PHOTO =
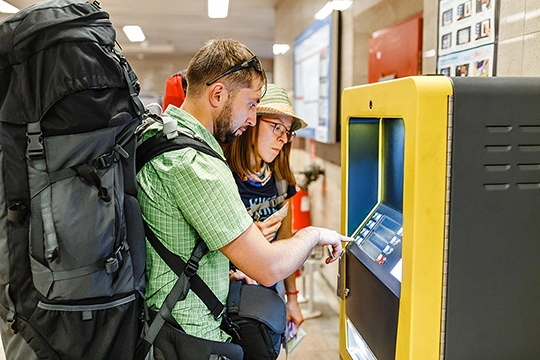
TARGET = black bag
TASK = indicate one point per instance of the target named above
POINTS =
(172, 343)
(257, 318)
(73, 248)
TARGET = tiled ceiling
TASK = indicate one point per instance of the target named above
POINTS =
(181, 27)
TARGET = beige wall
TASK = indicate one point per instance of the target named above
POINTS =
(518, 51)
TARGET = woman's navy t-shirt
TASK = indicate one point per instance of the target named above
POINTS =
(253, 194)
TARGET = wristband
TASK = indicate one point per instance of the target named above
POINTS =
(292, 292)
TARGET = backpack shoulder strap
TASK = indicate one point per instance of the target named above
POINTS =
(167, 140)
(180, 267)
(281, 186)
(187, 278)
(160, 143)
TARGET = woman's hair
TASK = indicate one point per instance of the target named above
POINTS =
(217, 57)
(243, 149)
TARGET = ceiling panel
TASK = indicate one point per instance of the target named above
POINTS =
(182, 26)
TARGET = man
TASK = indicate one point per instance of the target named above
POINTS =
(185, 194)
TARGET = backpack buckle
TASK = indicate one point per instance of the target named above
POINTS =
(10, 321)
(273, 202)
(191, 268)
(34, 147)
(105, 160)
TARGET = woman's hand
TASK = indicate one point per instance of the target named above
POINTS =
(269, 227)
(294, 313)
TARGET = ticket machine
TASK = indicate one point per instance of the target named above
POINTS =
(441, 193)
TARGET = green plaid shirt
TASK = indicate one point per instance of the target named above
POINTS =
(184, 193)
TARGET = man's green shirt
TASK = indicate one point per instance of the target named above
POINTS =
(185, 194)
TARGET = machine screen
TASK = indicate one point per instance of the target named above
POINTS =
(375, 203)
(377, 244)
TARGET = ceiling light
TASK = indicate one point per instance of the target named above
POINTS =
(7, 8)
(331, 6)
(218, 9)
(134, 33)
(279, 49)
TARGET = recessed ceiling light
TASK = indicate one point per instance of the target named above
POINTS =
(331, 6)
(7, 8)
(134, 33)
(218, 9)
(279, 49)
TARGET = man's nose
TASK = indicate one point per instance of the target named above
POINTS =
(252, 118)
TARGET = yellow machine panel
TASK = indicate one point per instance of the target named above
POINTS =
(429, 165)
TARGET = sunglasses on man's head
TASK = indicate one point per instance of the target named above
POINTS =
(253, 62)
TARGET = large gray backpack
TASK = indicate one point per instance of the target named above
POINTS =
(72, 248)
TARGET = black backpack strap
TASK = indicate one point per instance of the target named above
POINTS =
(180, 267)
(177, 293)
(159, 144)
(167, 140)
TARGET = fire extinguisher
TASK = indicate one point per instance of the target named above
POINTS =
(301, 214)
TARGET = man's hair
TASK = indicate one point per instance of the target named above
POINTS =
(215, 58)
(244, 148)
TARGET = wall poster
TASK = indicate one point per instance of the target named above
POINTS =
(315, 85)
(466, 38)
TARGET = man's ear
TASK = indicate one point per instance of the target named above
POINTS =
(217, 95)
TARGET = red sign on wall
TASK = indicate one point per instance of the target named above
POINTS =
(396, 51)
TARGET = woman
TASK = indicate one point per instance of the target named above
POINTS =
(259, 160)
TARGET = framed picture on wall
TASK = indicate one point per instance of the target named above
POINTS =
(316, 78)
(467, 45)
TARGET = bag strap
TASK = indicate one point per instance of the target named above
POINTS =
(281, 186)
(177, 293)
(180, 267)
(160, 143)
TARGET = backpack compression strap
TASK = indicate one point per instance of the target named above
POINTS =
(282, 195)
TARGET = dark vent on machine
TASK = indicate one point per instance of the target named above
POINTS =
(516, 146)
(530, 128)
(499, 129)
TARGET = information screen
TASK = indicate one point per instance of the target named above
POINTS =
(378, 245)
(375, 203)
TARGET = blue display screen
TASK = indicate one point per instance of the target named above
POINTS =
(375, 196)
(378, 245)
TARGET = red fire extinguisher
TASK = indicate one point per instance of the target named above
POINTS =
(301, 216)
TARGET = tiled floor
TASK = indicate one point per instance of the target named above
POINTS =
(322, 333)
(321, 340)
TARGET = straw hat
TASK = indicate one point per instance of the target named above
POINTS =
(276, 101)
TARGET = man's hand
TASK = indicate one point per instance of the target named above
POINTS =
(328, 237)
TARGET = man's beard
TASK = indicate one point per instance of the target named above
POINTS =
(222, 126)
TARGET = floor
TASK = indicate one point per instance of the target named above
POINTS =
(322, 335)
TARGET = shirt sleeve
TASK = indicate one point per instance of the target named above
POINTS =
(206, 194)
(291, 191)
